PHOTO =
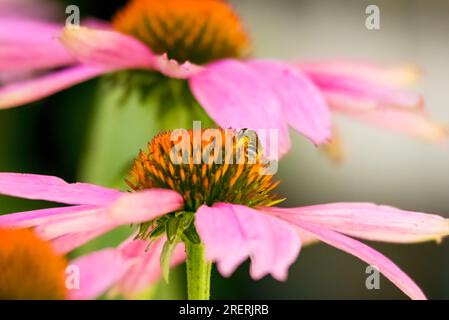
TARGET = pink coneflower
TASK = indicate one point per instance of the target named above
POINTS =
(204, 42)
(222, 213)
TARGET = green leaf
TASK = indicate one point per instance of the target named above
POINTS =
(191, 234)
(166, 254)
(173, 228)
(157, 232)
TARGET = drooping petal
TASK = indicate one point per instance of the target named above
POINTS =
(23, 92)
(144, 206)
(416, 124)
(145, 269)
(67, 228)
(364, 95)
(49, 188)
(369, 255)
(394, 75)
(97, 272)
(368, 221)
(33, 218)
(129, 208)
(236, 96)
(232, 233)
(27, 44)
(119, 51)
(303, 105)
(73, 226)
(107, 48)
(128, 270)
(73, 240)
(76, 222)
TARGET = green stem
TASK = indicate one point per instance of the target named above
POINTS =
(198, 272)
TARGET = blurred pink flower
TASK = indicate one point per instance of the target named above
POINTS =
(231, 232)
(40, 9)
(31, 9)
(235, 93)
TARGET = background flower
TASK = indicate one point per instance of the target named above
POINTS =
(202, 43)
(31, 269)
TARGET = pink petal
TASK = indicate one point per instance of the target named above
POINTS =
(416, 124)
(27, 91)
(30, 45)
(128, 270)
(236, 96)
(232, 233)
(302, 103)
(49, 188)
(98, 271)
(107, 48)
(394, 75)
(368, 221)
(173, 68)
(73, 226)
(145, 268)
(144, 206)
(120, 51)
(83, 221)
(370, 256)
(71, 241)
(33, 218)
(130, 208)
(363, 94)
(68, 227)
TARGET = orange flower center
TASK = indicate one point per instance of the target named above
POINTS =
(29, 269)
(230, 170)
(198, 31)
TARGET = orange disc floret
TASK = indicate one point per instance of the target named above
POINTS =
(205, 171)
(29, 268)
(198, 31)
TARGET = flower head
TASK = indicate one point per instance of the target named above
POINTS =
(235, 221)
(186, 30)
(203, 42)
(30, 269)
(227, 176)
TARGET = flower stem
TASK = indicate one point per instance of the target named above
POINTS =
(198, 272)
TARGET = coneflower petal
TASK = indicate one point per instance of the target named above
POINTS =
(50, 188)
(232, 233)
(369, 255)
(28, 45)
(368, 221)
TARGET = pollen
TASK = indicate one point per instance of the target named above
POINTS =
(29, 269)
(199, 31)
(206, 168)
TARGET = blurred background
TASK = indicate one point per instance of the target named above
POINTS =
(49, 138)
